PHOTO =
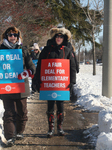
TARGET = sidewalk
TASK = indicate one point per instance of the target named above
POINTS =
(75, 121)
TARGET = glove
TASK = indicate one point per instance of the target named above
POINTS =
(71, 87)
(25, 74)
(33, 71)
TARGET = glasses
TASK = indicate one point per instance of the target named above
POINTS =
(59, 36)
(35, 49)
(12, 34)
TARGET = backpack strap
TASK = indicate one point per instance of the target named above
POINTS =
(62, 48)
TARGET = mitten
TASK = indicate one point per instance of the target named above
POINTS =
(71, 87)
(25, 74)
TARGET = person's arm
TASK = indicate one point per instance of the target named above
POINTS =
(72, 69)
(77, 66)
(37, 78)
(28, 62)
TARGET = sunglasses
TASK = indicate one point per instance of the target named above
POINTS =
(59, 36)
(35, 49)
(12, 34)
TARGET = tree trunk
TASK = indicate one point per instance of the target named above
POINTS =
(94, 57)
(79, 57)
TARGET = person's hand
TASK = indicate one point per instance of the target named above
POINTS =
(25, 74)
(33, 71)
(71, 87)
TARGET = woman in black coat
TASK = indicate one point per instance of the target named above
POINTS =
(15, 105)
(56, 50)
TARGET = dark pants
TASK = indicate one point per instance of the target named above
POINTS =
(33, 86)
(15, 117)
(51, 106)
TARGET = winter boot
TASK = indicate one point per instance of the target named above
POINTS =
(51, 124)
(10, 142)
(60, 118)
(19, 136)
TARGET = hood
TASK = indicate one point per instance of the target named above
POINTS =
(63, 31)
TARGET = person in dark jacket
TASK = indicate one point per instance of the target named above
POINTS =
(35, 52)
(56, 50)
(34, 55)
(72, 49)
(15, 105)
(70, 46)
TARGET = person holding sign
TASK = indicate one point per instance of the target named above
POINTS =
(56, 50)
(15, 104)
(72, 48)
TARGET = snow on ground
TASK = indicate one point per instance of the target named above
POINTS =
(1, 114)
(89, 96)
(1, 121)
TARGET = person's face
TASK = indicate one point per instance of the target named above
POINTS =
(36, 50)
(59, 39)
(12, 37)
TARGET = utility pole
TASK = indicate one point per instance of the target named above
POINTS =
(107, 50)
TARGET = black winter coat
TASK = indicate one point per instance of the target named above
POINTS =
(56, 52)
(27, 64)
(34, 55)
(69, 45)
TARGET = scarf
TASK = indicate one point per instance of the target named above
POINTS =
(11, 45)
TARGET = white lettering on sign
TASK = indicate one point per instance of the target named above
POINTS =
(49, 64)
(6, 66)
(54, 78)
(56, 64)
(1, 57)
(49, 71)
(13, 57)
(1, 76)
(60, 71)
(54, 85)
(11, 75)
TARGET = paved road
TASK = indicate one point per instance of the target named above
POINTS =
(75, 121)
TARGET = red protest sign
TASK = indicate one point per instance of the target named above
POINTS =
(55, 74)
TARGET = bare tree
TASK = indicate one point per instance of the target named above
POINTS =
(33, 18)
(94, 12)
(78, 46)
